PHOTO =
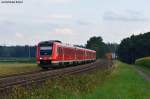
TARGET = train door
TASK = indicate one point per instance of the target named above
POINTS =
(60, 53)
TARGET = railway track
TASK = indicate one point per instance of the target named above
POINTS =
(7, 83)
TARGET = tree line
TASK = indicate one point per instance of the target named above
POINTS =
(18, 51)
(134, 47)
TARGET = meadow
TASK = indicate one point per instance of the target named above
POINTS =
(17, 65)
(17, 60)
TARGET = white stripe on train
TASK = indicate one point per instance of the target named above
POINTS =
(73, 60)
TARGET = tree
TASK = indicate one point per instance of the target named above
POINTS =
(134, 47)
(97, 44)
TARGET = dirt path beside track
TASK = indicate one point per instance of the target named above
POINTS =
(140, 70)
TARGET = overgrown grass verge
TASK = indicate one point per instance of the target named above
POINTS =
(66, 87)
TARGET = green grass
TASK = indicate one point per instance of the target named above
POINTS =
(16, 68)
(121, 83)
(143, 61)
(12, 65)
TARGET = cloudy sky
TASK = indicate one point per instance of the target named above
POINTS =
(72, 21)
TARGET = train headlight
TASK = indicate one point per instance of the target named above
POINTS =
(40, 57)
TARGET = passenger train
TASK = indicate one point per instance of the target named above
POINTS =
(54, 53)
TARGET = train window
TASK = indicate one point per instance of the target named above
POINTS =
(45, 49)
(46, 52)
(45, 44)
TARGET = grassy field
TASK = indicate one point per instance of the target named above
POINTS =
(11, 65)
(15, 68)
(121, 82)
(17, 60)
(143, 61)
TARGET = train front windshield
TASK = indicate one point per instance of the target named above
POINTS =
(45, 49)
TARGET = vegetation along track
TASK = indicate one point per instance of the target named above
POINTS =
(7, 83)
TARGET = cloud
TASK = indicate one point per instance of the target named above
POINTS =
(19, 35)
(84, 23)
(63, 31)
(127, 16)
(59, 16)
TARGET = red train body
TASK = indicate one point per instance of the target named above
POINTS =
(55, 53)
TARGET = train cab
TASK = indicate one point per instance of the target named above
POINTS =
(46, 53)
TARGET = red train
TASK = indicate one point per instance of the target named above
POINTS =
(54, 54)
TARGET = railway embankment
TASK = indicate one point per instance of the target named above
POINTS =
(27, 80)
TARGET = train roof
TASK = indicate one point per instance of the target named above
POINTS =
(74, 46)
(50, 41)
(85, 49)
(65, 44)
